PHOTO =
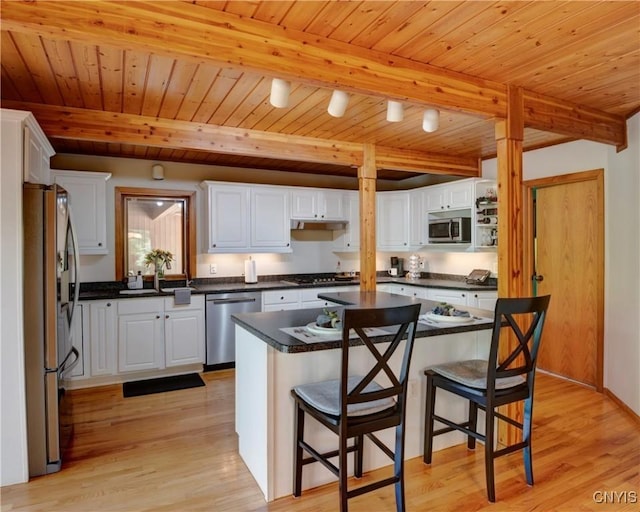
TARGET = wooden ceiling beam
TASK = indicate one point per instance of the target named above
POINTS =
(188, 31)
(112, 127)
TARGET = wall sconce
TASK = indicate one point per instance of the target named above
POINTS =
(157, 172)
(280, 90)
(430, 120)
(395, 111)
(338, 103)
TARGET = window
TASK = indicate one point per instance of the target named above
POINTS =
(149, 219)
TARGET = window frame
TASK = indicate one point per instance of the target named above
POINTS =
(121, 193)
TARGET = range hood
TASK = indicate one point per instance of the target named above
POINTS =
(313, 225)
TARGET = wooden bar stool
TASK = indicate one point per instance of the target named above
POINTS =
(491, 384)
(355, 406)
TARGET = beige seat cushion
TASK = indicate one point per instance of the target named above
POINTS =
(325, 396)
(473, 373)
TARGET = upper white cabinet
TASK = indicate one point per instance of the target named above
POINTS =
(88, 192)
(317, 204)
(25, 145)
(449, 196)
(393, 221)
(348, 239)
(247, 218)
(270, 223)
(419, 222)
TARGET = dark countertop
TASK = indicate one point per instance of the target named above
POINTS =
(111, 290)
(266, 326)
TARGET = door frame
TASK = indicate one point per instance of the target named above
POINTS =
(528, 186)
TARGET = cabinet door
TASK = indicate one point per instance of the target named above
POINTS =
(78, 328)
(433, 198)
(184, 337)
(348, 240)
(418, 223)
(456, 297)
(393, 221)
(483, 300)
(228, 218)
(87, 192)
(270, 220)
(331, 205)
(140, 342)
(459, 195)
(304, 204)
(103, 338)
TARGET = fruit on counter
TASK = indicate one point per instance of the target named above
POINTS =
(328, 319)
(445, 309)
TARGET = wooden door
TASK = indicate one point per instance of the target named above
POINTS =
(569, 265)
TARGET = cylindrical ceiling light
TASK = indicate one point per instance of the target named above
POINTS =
(430, 120)
(157, 172)
(338, 103)
(395, 112)
(280, 93)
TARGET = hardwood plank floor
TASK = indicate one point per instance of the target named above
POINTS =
(178, 451)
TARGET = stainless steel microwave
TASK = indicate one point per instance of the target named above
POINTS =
(447, 231)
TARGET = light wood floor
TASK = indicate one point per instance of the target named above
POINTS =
(178, 452)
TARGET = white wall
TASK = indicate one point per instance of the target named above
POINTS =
(13, 418)
(622, 245)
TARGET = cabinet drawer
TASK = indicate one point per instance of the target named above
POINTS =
(135, 306)
(281, 296)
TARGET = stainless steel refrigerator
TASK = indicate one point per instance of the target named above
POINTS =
(50, 297)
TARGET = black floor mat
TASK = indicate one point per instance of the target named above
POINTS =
(162, 384)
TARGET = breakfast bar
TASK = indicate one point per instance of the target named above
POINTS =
(276, 351)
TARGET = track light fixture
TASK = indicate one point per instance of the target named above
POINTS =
(395, 112)
(430, 120)
(338, 103)
(280, 90)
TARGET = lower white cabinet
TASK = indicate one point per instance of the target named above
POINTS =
(474, 299)
(184, 332)
(279, 300)
(103, 331)
(140, 334)
(130, 335)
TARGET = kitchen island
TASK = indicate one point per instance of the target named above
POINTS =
(275, 352)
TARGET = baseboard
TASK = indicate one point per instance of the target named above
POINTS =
(622, 405)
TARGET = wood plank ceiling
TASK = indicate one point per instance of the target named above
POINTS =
(73, 61)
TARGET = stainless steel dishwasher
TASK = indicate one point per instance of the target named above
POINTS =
(221, 332)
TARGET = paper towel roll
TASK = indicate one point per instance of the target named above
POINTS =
(250, 272)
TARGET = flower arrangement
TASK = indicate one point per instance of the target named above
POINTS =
(158, 258)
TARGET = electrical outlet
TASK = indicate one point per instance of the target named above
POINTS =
(213, 268)
(421, 264)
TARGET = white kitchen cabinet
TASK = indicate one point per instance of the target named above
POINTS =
(228, 217)
(270, 219)
(184, 336)
(247, 218)
(475, 299)
(140, 334)
(80, 336)
(392, 221)
(317, 204)
(88, 199)
(280, 300)
(482, 299)
(155, 333)
(309, 297)
(104, 331)
(26, 146)
(449, 196)
(418, 220)
(348, 239)
(404, 289)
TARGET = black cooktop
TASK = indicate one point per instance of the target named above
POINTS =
(318, 278)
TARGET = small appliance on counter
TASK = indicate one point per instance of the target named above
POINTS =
(398, 263)
(250, 271)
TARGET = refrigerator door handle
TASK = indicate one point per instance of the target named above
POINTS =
(63, 366)
(76, 264)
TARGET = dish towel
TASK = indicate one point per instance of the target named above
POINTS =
(182, 296)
